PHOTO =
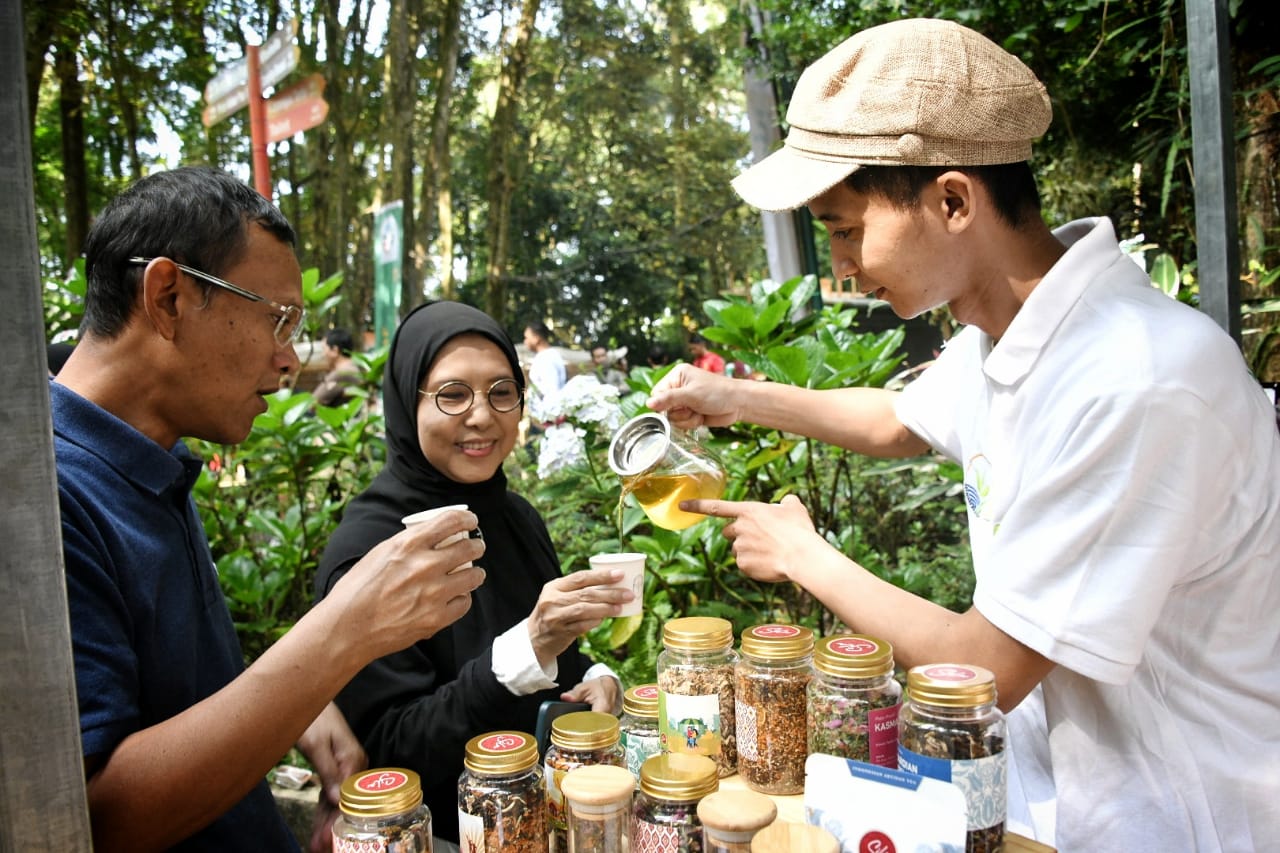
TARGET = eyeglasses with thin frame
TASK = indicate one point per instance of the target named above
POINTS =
(289, 324)
(456, 398)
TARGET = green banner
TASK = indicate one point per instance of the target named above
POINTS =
(388, 234)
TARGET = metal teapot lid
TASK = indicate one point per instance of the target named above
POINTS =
(639, 444)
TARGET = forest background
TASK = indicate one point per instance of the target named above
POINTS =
(569, 161)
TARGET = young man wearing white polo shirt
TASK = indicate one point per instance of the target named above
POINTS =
(1122, 468)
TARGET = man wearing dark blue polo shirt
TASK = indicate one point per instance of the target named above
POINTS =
(192, 305)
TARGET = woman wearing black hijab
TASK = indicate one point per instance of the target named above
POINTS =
(453, 396)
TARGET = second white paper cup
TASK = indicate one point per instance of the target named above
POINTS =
(419, 517)
(632, 566)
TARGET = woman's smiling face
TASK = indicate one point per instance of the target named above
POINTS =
(471, 447)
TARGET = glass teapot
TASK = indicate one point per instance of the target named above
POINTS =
(662, 466)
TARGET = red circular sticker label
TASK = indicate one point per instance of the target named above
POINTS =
(649, 691)
(876, 841)
(854, 648)
(779, 631)
(381, 780)
(502, 743)
(950, 673)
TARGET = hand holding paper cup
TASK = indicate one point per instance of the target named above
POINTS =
(427, 514)
(632, 567)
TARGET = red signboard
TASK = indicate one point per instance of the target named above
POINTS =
(301, 115)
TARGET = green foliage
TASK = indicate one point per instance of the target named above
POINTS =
(885, 516)
(270, 503)
(64, 303)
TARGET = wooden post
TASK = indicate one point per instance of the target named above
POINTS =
(258, 125)
(42, 795)
(1213, 155)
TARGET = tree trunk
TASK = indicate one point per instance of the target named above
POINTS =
(75, 174)
(122, 88)
(502, 153)
(437, 173)
(401, 88)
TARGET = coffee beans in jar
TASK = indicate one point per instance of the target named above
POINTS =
(951, 729)
(502, 803)
(578, 739)
(695, 690)
(769, 694)
(381, 811)
(853, 700)
(665, 814)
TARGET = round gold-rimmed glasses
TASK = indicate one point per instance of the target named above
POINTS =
(457, 397)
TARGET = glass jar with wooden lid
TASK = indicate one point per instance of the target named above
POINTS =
(730, 819)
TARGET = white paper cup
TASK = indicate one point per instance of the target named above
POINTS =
(419, 517)
(632, 566)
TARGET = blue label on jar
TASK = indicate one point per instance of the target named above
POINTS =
(983, 781)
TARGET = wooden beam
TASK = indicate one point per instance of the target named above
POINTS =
(42, 796)
(1213, 152)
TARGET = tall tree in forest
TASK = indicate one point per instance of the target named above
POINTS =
(504, 148)
(401, 83)
(437, 171)
(74, 173)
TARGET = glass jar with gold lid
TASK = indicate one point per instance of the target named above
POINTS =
(853, 700)
(501, 798)
(695, 690)
(382, 810)
(951, 729)
(666, 806)
(769, 693)
(578, 739)
(638, 726)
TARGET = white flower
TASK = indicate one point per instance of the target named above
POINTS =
(586, 400)
(561, 447)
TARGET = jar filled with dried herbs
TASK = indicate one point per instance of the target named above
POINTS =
(769, 694)
(666, 806)
(638, 727)
(730, 819)
(951, 729)
(381, 811)
(578, 739)
(853, 700)
(501, 799)
(695, 690)
(598, 803)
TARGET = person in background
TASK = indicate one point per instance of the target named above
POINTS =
(1121, 466)
(191, 310)
(547, 374)
(703, 358)
(607, 373)
(342, 373)
(56, 355)
(453, 393)
(658, 356)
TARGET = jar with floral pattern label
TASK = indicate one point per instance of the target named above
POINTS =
(951, 729)
(666, 806)
(638, 727)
